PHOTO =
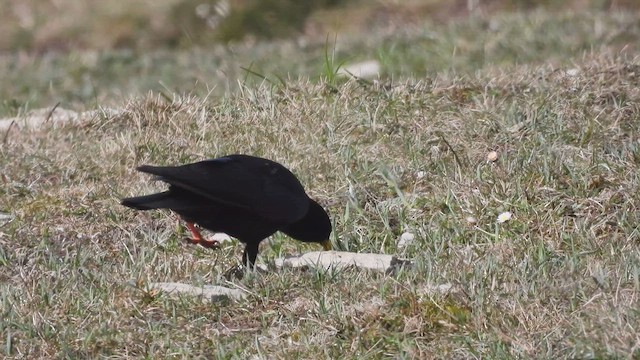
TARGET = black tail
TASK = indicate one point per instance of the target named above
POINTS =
(148, 202)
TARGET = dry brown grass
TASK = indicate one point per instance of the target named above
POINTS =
(558, 280)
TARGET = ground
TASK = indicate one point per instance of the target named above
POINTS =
(554, 94)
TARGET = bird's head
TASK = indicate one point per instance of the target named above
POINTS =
(315, 226)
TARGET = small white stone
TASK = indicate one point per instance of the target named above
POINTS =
(367, 69)
(492, 156)
(471, 220)
(221, 237)
(432, 289)
(504, 217)
(406, 239)
(5, 218)
(573, 72)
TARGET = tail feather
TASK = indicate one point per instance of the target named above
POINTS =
(159, 171)
(148, 202)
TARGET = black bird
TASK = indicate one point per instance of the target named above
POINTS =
(246, 197)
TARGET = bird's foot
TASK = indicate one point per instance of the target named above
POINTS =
(198, 239)
(209, 244)
(235, 273)
(240, 271)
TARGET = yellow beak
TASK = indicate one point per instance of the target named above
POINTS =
(327, 245)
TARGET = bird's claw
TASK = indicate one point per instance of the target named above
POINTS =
(235, 273)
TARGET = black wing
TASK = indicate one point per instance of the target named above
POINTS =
(261, 186)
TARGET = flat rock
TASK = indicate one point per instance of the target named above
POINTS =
(342, 259)
(208, 292)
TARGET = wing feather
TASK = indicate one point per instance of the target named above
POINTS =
(259, 185)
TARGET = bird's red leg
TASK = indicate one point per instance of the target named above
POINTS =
(198, 239)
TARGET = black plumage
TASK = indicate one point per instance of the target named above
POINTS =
(246, 197)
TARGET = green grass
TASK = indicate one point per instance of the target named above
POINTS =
(559, 280)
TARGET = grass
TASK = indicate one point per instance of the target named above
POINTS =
(408, 153)
(87, 79)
